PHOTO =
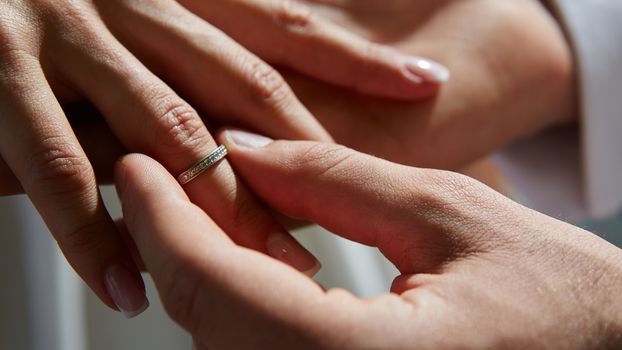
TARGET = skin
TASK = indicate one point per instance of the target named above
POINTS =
(514, 96)
(495, 97)
(477, 270)
(151, 93)
(509, 80)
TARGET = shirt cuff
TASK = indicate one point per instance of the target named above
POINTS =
(592, 185)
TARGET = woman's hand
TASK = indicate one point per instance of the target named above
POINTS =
(123, 56)
(512, 76)
(477, 270)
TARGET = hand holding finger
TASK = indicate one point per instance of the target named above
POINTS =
(468, 256)
(464, 284)
(197, 267)
(313, 175)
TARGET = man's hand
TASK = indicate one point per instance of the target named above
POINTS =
(477, 270)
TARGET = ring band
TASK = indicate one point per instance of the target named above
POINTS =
(209, 161)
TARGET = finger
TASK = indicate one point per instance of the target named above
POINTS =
(147, 116)
(98, 142)
(39, 146)
(395, 208)
(218, 75)
(218, 290)
(186, 252)
(287, 33)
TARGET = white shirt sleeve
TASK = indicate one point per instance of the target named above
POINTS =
(592, 186)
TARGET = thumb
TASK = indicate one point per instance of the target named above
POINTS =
(208, 285)
(360, 197)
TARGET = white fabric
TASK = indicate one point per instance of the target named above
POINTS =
(595, 186)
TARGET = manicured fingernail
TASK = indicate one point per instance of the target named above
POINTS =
(284, 248)
(126, 292)
(247, 139)
(428, 70)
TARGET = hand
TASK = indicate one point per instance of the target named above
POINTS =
(512, 76)
(495, 97)
(117, 55)
(477, 270)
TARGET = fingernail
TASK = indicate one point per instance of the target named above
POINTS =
(126, 292)
(247, 139)
(284, 248)
(428, 70)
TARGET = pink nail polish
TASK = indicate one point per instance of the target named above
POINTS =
(284, 248)
(127, 293)
(428, 70)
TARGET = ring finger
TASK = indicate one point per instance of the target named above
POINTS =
(149, 117)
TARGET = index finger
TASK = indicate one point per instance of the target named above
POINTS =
(198, 269)
(219, 291)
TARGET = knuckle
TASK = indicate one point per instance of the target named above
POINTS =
(64, 12)
(60, 167)
(468, 212)
(15, 63)
(462, 188)
(180, 128)
(81, 240)
(457, 199)
(16, 39)
(322, 159)
(72, 25)
(321, 162)
(293, 16)
(267, 85)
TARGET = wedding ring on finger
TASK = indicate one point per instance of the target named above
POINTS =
(203, 165)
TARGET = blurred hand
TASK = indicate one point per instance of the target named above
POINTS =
(477, 270)
(123, 56)
(512, 76)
